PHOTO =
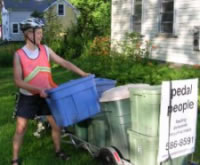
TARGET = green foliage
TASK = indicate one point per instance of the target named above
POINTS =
(52, 30)
(126, 71)
(100, 46)
(73, 42)
(133, 47)
(37, 14)
(95, 16)
(7, 51)
(94, 20)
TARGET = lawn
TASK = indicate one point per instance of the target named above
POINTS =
(35, 150)
(39, 150)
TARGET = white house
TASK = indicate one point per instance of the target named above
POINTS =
(171, 25)
(14, 11)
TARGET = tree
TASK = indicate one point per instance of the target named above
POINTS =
(95, 16)
(37, 14)
(94, 20)
(52, 29)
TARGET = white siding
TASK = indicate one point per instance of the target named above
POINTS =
(5, 24)
(17, 17)
(178, 49)
(121, 19)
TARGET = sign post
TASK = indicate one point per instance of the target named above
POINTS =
(178, 118)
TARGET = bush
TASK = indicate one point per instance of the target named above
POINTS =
(94, 20)
(125, 71)
(100, 46)
(133, 47)
(7, 51)
(73, 43)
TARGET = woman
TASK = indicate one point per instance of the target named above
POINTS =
(32, 74)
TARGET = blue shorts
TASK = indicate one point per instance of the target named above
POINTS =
(31, 106)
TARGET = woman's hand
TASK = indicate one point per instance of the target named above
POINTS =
(43, 94)
(84, 74)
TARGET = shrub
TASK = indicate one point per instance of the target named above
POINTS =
(125, 71)
(133, 47)
(100, 46)
(74, 42)
(7, 51)
(94, 20)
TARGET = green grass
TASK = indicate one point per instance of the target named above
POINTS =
(34, 151)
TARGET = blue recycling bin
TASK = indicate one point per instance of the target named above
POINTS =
(103, 84)
(74, 101)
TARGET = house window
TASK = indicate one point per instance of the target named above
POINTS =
(167, 16)
(61, 9)
(15, 28)
(137, 18)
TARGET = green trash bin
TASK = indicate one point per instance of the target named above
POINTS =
(115, 102)
(81, 130)
(183, 160)
(98, 131)
(144, 149)
(145, 110)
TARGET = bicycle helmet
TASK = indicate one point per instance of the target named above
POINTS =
(31, 23)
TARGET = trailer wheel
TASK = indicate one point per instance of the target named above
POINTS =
(108, 156)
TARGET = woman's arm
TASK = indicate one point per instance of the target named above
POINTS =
(18, 79)
(66, 64)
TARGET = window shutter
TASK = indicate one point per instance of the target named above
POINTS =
(132, 16)
(142, 17)
(137, 15)
(176, 24)
(132, 7)
(159, 17)
(176, 17)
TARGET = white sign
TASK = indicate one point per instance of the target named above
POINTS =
(179, 100)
